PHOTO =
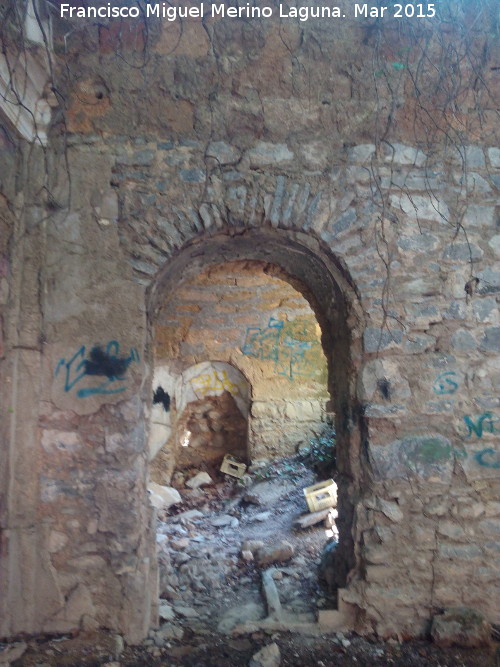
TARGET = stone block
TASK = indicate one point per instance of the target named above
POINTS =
(57, 541)
(402, 154)
(163, 497)
(421, 207)
(418, 343)
(419, 287)
(269, 656)
(267, 154)
(361, 153)
(464, 252)
(461, 626)
(192, 175)
(479, 216)
(379, 376)
(452, 530)
(418, 243)
(345, 222)
(464, 552)
(490, 342)
(474, 157)
(494, 156)
(490, 527)
(274, 553)
(486, 309)
(60, 441)
(315, 154)
(332, 620)
(489, 281)
(142, 158)
(12, 652)
(201, 479)
(494, 243)
(476, 183)
(222, 152)
(430, 456)
(375, 339)
(456, 311)
(390, 509)
(463, 340)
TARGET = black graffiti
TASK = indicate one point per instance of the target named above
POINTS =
(160, 396)
(101, 362)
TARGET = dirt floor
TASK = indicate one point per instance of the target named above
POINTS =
(213, 607)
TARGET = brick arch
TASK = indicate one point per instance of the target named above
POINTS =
(312, 269)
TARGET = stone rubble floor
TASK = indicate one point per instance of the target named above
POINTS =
(212, 605)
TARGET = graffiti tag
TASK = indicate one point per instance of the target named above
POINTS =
(207, 383)
(100, 363)
(293, 346)
(488, 458)
(446, 383)
(485, 423)
(434, 450)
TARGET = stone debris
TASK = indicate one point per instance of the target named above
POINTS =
(189, 515)
(271, 594)
(201, 479)
(269, 656)
(186, 612)
(225, 520)
(163, 497)
(274, 553)
(206, 558)
(240, 615)
(461, 626)
(331, 620)
(308, 520)
(179, 544)
(166, 632)
(252, 545)
(12, 652)
(166, 612)
(268, 492)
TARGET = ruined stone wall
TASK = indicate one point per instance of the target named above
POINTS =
(236, 313)
(277, 142)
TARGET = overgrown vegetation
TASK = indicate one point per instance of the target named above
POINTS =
(320, 456)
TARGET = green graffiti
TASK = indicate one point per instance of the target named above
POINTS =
(434, 450)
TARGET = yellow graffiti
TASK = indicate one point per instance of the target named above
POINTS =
(214, 381)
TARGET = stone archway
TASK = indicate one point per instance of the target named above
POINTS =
(318, 275)
(209, 404)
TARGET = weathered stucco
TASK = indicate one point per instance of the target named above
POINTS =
(258, 141)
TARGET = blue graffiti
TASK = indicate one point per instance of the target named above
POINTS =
(492, 460)
(485, 423)
(263, 343)
(293, 346)
(446, 383)
(100, 362)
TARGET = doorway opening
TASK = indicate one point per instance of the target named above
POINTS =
(246, 351)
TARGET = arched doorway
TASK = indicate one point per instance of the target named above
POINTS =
(207, 418)
(320, 278)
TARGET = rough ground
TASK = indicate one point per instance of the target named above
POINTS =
(208, 591)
